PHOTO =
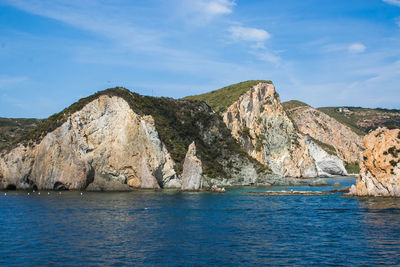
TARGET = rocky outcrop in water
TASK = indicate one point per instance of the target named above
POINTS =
(380, 168)
(257, 120)
(192, 176)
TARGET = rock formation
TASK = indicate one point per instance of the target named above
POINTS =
(192, 176)
(103, 142)
(257, 120)
(380, 168)
(117, 140)
(327, 164)
(319, 126)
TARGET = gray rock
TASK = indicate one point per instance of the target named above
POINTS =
(317, 182)
(101, 184)
(192, 176)
(327, 165)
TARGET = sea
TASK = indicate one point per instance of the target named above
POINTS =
(172, 228)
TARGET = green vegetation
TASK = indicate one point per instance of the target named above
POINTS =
(326, 147)
(352, 168)
(245, 132)
(292, 104)
(392, 127)
(177, 122)
(393, 163)
(13, 129)
(363, 120)
(219, 100)
(393, 151)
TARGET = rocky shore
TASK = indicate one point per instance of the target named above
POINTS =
(380, 168)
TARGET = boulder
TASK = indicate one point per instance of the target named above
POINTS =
(317, 182)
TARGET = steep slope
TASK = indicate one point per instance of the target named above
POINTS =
(363, 120)
(331, 135)
(13, 129)
(258, 121)
(115, 137)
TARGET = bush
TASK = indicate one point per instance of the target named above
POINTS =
(353, 167)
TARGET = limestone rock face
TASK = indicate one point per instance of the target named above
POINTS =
(326, 129)
(192, 176)
(104, 143)
(327, 164)
(380, 168)
(258, 121)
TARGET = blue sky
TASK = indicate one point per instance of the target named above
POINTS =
(323, 52)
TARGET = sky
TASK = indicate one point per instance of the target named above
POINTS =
(322, 52)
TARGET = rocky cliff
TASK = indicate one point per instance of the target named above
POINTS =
(347, 144)
(257, 120)
(327, 164)
(380, 168)
(117, 140)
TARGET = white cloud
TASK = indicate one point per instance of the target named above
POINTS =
(356, 48)
(202, 12)
(392, 2)
(249, 34)
(218, 7)
(257, 38)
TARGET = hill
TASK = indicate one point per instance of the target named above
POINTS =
(14, 129)
(219, 100)
(177, 124)
(363, 120)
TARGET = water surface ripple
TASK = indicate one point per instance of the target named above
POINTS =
(172, 228)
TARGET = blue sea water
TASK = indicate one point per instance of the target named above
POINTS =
(172, 228)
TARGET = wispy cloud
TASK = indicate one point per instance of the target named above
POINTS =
(202, 12)
(398, 21)
(392, 2)
(216, 7)
(357, 48)
(256, 38)
(94, 16)
(249, 34)
(7, 81)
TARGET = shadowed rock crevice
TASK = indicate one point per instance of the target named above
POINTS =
(90, 176)
(59, 186)
(11, 187)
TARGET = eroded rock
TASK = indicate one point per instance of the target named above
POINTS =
(105, 140)
(380, 168)
(260, 124)
(192, 176)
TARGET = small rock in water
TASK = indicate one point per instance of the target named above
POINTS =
(317, 182)
(38, 193)
(216, 189)
(336, 185)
